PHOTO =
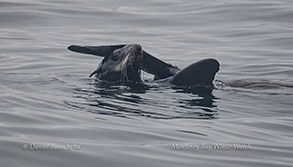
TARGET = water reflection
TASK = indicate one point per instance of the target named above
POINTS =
(206, 98)
(143, 100)
(204, 101)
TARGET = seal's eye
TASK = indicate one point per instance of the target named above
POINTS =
(114, 57)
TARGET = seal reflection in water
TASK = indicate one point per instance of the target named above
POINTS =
(123, 65)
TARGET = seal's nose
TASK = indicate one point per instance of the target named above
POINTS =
(136, 46)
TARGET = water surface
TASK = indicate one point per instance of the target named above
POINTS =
(47, 97)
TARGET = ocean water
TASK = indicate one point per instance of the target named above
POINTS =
(53, 114)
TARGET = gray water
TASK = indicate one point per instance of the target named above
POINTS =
(47, 99)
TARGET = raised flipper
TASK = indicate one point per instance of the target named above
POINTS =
(201, 73)
(157, 67)
(102, 51)
(150, 64)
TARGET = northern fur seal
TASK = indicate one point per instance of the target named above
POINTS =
(123, 63)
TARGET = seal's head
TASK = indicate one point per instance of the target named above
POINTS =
(123, 65)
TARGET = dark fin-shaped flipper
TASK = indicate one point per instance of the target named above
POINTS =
(102, 51)
(201, 73)
(157, 67)
(150, 64)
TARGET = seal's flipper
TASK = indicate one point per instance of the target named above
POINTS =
(157, 67)
(201, 73)
(102, 51)
(150, 64)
